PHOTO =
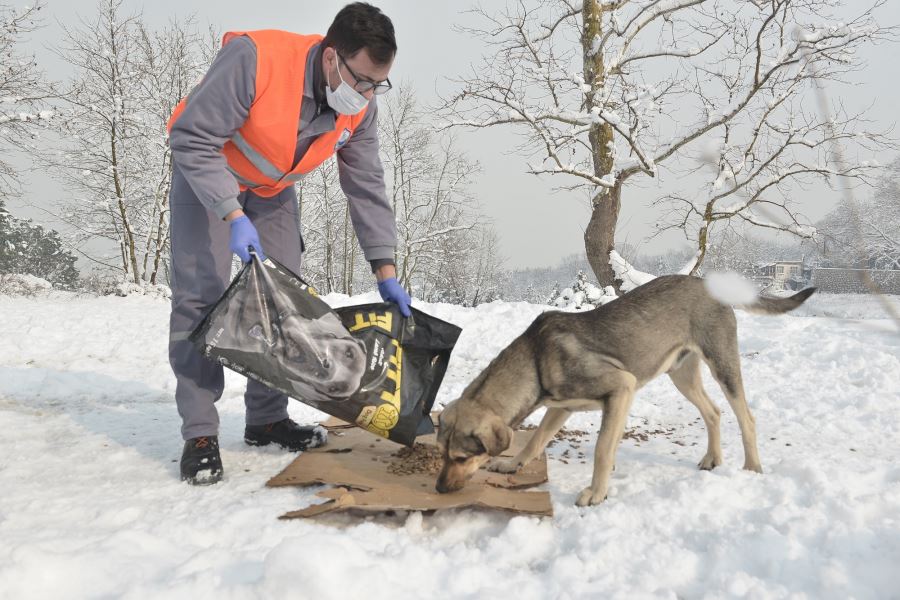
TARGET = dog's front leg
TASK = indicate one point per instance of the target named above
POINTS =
(552, 422)
(615, 415)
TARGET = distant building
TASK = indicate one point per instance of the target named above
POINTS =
(782, 275)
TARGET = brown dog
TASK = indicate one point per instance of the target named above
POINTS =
(596, 360)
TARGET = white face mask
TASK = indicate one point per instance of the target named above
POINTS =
(344, 100)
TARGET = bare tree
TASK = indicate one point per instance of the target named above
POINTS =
(427, 179)
(607, 90)
(23, 89)
(868, 236)
(169, 62)
(115, 158)
(769, 152)
(445, 250)
(333, 258)
(881, 221)
(99, 107)
(471, 272)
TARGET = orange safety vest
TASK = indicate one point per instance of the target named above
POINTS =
(261, 153)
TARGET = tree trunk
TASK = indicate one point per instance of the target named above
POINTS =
(701, 252)
(162, 229)
(600, 234)
(161, 240)
(116, 83)
(129, 256)
(352, 269)
(348, 258)
(703, 240)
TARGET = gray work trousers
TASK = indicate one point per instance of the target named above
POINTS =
(201, 270)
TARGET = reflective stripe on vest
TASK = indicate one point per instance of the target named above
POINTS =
(253, 184)
(240, 178)
(261, 163)
(256, 159)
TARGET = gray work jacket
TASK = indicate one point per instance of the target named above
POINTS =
(219, 106)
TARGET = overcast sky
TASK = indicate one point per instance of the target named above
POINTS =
(536, 226)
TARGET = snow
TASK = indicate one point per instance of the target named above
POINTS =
(844, 306)
(806, 231)
(689, 265)
(91, 505)
(630, 277)
(611, 118)
(15, 284)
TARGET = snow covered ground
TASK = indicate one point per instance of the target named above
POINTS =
(91, 505)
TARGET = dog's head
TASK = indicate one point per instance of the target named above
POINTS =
(467, 437)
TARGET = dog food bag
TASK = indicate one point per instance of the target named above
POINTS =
(406, 362)
(366, 364)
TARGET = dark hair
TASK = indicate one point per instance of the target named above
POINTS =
(361, 25)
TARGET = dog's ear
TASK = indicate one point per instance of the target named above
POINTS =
(446, 425)
(495, 436)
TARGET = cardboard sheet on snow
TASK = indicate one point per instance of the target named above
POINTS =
(357, 464)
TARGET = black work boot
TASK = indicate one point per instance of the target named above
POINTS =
(200, 461)
(286, 434)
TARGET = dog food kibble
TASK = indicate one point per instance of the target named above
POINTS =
(421, 458)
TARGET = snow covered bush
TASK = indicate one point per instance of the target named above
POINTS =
(151, 290)
(100, 283)
(16, 284)
(582, 295)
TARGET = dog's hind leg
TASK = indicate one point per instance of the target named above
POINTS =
(618, 388)
(688, 380)
(724, 362)
(552, 422)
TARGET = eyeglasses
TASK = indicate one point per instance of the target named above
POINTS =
(366, 85)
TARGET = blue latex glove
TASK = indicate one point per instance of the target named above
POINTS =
(391, 291)
(244, 235)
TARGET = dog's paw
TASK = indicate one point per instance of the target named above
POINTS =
(587, 497)
(709, 462)
(504, 465)
(753, 466)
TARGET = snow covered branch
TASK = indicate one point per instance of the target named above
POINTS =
(23, 88)
(650, 79)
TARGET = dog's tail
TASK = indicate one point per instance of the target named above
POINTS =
(767, 305)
